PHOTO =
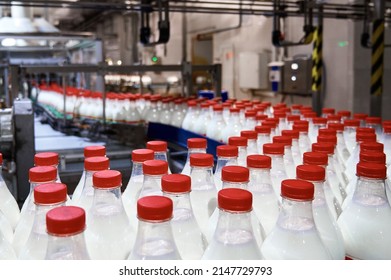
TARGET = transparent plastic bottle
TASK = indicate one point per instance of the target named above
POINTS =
(250, 121)
(191, 116)
(326, 224)
(241, 143)
(5, 228)
(265, 205)
(234, 125)
(342, 151)
(37, 175)
(165, 116)
(375, 123)
(133, 189)
(318, 123)
(304, 140)
(365, 223)
(349, 133)
(203, 190)
(8, 204)
(177, 187)
(278, 171)
(46, 197)
(217, 124)
(160, 149)
(236, 177)
(109, 234)
(91, 165)
(178, 114)
(155, 238)
(47, 159)
(153, 114)
(6, 250)
(372, 157)
(234, 237)
(361, 137)
(288, 157)
(281, 115)
(263, 137)
(226, 155)
(251, 136)
(89, 151)
(200, 126)
(294, 135)
(194, 146)
(153, 171)
(273, 126)
(65, 227)
(321, 159)
(387, 145)
(132, 116)
(295, 235)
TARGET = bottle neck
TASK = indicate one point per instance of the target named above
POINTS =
(225, 161)
(151, 185)
(235, 185)
(182, 206)
(201, 177)
(319, 194)
(217, 116)
(161, 156)
(137, 169)
(71, 247)
(277, 161)
(104, 197)
(39, 225)
(296, 215)
(370, 192)
(260, 181)
(234, 228)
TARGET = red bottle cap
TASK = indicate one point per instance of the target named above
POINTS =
(373, 120)
(327, 148)
(249, 134)
(387, 123)
(237, 141)
(292, 118)
(234, 110)
(94, 151)
(285, 140)
(96, 163)
(301, 122)
(273, 149)
(315, 158)
(154, 208)
(65, 220)
(353, 122)
(227, 151)
(196, 143)
(310, 172)
(336, 126)
(217, 108)
(263, 129)
(296, 106)
(372, 156)
(157, 146)
(365, 137)
(236, 174)
(365, 130)
(259, 161)
(201, 160)
(42, 174)
(294, 134)
(319, 121)
(235, 200)
(297, 189)
(261, 117)
(371, 170)
(191, 103)
(141, 155)
(371, 146)
(300, 127)
(327, 139)
(333, 118)
(50, 193)
(360, 116)
(328, 111)
(346, 114)
(327, 132)
(46, 159)
(280, 114)
(107, 179)
(176, 183)
(309, 115)
(250, 114)
(155, 167)
(387, 129)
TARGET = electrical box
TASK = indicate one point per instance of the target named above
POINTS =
(297, 76)
(253, 70)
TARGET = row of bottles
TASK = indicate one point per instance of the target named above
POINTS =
(273, 194)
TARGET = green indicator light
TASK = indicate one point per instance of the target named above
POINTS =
(342, 43)
(154, 59)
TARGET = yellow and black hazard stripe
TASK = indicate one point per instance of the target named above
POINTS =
(377, 57)
(317, 60)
